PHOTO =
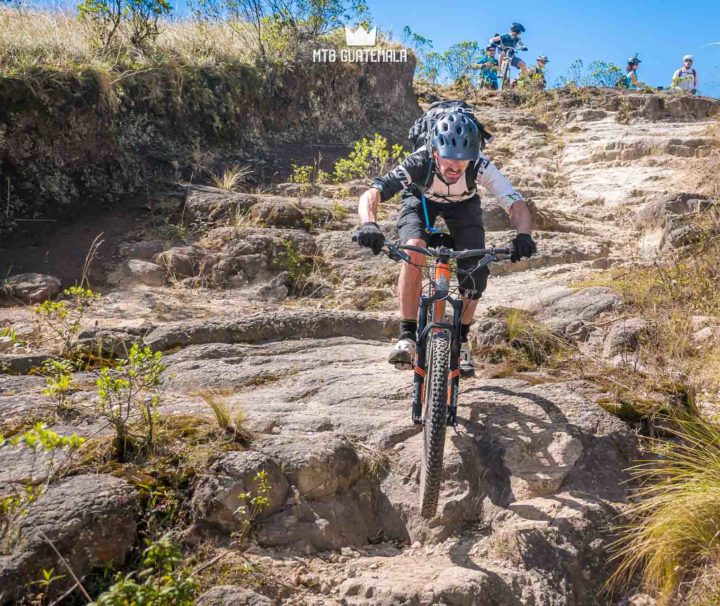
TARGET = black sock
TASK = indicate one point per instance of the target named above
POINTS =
(464, 330)
(408, 329)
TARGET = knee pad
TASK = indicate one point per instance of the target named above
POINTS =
(473, 284)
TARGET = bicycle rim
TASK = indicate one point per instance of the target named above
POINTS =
(435, 422)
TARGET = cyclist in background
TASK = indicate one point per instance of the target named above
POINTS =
(512, 40)
(686, 78)
(630, 80)
(488, 66)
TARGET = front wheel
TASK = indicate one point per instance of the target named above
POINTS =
(435, 415)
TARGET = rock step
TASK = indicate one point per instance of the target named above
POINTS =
(262, 327)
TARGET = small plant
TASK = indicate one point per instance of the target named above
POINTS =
(339, 211)
(368, 158)
(232, 178)
(129, 393)
(11, 335)
(297, 265)
(48, 578)
(301, 174)
(38, 439)
(58, 381)
(161, 581)
(253, 505)
(63, 319)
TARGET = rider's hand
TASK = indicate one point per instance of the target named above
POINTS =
(523, 246)
(370, 236)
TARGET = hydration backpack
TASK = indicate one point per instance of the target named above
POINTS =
(421, 131)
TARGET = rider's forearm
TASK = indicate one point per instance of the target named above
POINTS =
(367, 208)
(520, 217)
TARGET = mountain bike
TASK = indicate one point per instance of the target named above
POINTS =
(508, 54)
(436, 379)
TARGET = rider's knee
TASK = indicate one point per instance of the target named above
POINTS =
(417, 258)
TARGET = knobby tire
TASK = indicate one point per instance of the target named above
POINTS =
(435, 416)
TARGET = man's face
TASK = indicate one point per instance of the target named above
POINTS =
(491, 52)
(688, 63)
(451, 170)
(542, 64)
(515, 34)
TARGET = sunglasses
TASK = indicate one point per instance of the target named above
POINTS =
(688, 61)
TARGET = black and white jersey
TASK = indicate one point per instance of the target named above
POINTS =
(419, 174)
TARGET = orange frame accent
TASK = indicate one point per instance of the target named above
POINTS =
(442, 270)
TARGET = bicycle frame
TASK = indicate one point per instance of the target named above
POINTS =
(431, 319)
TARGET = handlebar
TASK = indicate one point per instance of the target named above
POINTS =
(445, 252)
(397, 252)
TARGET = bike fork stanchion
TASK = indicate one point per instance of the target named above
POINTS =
(454, 377)
(419, 377)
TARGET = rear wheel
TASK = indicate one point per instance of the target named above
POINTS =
(435, 417)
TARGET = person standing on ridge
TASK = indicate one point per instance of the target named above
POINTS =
(441, 178)
(488, 66)
(512, 40)
(685, 78)
(630, 80)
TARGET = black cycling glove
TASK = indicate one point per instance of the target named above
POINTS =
(370, 236)
(523, 246)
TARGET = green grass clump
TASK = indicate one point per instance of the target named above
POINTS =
(672, 540)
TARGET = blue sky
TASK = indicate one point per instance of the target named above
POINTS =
(660, 31)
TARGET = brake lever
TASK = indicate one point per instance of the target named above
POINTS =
(395, 254)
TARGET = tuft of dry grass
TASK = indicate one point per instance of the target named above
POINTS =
(530, 344)
(220, 407)
(672, 539)
(232, 178)
(31, 40)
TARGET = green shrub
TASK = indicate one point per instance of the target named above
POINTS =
(63, 319)
(460, 58)
(141, 17)
(161, 581)
(58, 381)
(369, 157)
(597, 73)
(129, 395)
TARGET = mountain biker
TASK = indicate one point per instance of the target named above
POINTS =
(488, 66)
(629, 80)
(534, 77)
(686, 78)
(511, 40)
(441, 178)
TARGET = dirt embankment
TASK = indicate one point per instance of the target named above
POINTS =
(70, 141)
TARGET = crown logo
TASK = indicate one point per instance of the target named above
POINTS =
(360, 37)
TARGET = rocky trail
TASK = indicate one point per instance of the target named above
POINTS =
(262, 298)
